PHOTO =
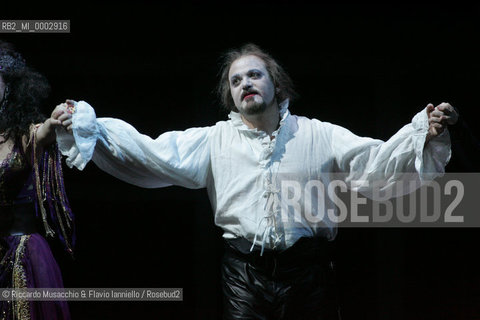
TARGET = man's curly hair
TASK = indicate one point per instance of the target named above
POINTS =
(281, 80)
(27, 89)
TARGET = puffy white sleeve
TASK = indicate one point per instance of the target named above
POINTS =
(404, 157)
(175, 158)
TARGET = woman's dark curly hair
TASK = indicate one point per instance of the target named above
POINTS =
(25, 91)
(281, 80)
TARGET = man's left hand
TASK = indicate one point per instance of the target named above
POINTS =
(439, 117)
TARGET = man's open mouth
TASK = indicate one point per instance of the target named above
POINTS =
(249, 95)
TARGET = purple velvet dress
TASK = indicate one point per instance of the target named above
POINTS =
(26, 260)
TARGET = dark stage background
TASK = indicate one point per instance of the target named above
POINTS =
(367, 67)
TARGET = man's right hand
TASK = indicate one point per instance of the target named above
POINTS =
(63, 112)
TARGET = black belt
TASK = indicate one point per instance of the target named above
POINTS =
(18, 219)
(304, 251)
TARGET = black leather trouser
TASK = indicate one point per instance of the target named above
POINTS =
(298, 283)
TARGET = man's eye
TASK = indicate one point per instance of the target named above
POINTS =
(255, 75)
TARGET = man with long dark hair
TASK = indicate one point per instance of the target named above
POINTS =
(277, 264)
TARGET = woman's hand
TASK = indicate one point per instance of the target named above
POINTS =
(46, 131)
(61, 116)
(66, 117)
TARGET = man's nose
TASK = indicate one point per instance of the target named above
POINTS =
(247, 84)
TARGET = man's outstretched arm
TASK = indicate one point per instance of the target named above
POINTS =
(174, 158)
(405, 156)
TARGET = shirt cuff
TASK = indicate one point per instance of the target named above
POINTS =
(78, 148)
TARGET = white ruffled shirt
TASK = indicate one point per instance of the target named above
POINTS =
(242, 168)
